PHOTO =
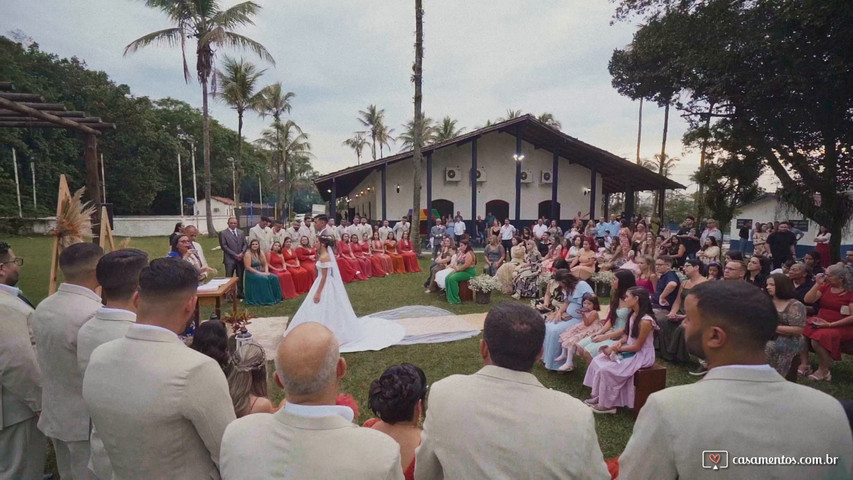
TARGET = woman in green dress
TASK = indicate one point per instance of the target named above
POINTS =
(261, 286)
(465, 261)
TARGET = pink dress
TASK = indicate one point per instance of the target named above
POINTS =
(613, 382)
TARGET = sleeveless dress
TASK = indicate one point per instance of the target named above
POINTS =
(260, 289)
(671, 341)
(613, 382)
(396, 258)
(492, 254)
(410, 258)
(551, 344)
(451, 284)
(646, 283)
(301, 278)
(379, 252)
(375, 262)
(782, 350)
(285, 279)
(347, 266)
(409, 472)
(363, 263)
(594, 348)
(304, 255)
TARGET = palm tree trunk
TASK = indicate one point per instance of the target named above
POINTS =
(239, 165)
(639, 137)
(416, 154)
(701, 202)
(373, 137)
(662, 159)
(211, 231)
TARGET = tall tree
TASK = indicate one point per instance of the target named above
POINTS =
(288, 144)
(750, 67)
(238, 80)
(357, 143)
(417, 141)
(274, 102)
(510, 114)
(384, 138)
(374, 119)
(427, 133)
(212, 27)
(447, 129)
(548, 119)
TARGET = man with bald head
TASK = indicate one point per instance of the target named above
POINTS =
(310, 437)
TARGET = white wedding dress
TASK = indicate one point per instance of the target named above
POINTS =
(334, 310)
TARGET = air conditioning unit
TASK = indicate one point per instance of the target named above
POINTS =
(526, 176)
(452, 174)
(546, 177)
(481, 174)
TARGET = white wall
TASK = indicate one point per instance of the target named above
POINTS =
(495, 154)
(155, 226)
(219, 208)
(771, 209)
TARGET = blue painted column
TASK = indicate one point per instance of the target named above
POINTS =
(592, 191)
(384, 188)
(334, 202)
(429, 191)
(555, 169)
(473, 182)
(518, 177)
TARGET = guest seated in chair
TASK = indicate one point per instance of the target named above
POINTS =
(833, 324)
(397, 398)
(463, 270)
(261, 286)
(583, 266)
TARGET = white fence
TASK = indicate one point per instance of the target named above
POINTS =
(125, 226)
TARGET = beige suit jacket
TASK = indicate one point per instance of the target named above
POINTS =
(747, 412)
(262, 235)
(107, 325)
(501, 423)
(58, 319)
(160, 408)
(288, 446)
(20, 379)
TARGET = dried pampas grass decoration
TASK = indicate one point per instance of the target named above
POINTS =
(74, 221)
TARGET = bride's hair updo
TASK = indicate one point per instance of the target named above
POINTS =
(394, 395)
(327, 241)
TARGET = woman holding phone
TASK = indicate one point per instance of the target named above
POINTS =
(833, 324)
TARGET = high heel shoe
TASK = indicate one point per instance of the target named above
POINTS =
(818, 378)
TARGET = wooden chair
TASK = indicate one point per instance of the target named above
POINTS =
(465, 292)
(646, 382)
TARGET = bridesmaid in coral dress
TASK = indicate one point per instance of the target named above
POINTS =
(363, 261)
(410, 258)
(307, 257)
(278, 267)
(378, 249)
(396, 258)
(348, 266)
(301, 279)
(375, 262)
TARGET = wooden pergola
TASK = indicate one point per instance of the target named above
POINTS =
(27, 110)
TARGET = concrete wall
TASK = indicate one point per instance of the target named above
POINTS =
(495, 155)
(154, 226)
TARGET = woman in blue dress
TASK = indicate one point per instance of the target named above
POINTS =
(617, 318)
(568, 315)
(261, 286)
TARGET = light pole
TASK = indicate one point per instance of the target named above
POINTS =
(233, 181)
(180, 189)
(195, 183)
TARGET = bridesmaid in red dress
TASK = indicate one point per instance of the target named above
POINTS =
(347, 267)
(375, 262)
(363, 261)
(301, 279)
(348, 254)
(410, 258)
(278, 267)
(378, 250)
(307, 257)
(396, 258)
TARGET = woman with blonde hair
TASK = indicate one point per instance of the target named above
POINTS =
(247, 380)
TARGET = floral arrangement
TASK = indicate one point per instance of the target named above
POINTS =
(603, 277)
(74, 220)
(484, 283)
(239, 321)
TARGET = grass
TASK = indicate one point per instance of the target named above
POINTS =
(437, 360)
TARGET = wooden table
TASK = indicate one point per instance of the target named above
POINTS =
(205, 296)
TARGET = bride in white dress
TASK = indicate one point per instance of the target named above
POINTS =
(327, 303)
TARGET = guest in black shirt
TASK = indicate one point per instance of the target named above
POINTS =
(803, 282)
(782, 244)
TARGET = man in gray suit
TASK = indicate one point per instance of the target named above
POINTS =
(501, 422)
(118, 275)
(159, 407)
(310, 437)
(22, 444)
(742, 412)
(58, 319)
(234, 245)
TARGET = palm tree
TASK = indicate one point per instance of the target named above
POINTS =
(211, 26)
(289, 144)
(548, 119)
(663, 165)
(510, 114)
(384, 138)
(373, 118)
(357, 143)
(273, 101)
(408, 136)
(238, 79)
(418, 126)
(447, 130)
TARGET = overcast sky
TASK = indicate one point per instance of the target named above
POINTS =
(482, 57)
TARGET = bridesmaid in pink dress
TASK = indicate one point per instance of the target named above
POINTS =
(307, 257)
(375, 262)
(300, 275)
(363, 261)
(379, 252)
(346, 261)
(277, 266)
(410, 258)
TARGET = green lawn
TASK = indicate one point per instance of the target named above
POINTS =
(437, 360)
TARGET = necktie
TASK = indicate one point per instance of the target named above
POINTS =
(234, 232)
(25, 299)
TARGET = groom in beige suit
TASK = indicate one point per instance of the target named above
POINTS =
(22, 445)
(741, 408)
(58, 318)
(310, 437)
(159, 407)
(118, 275)
(501, 422)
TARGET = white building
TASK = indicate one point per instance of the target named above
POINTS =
(477, 173)
(220, 206)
